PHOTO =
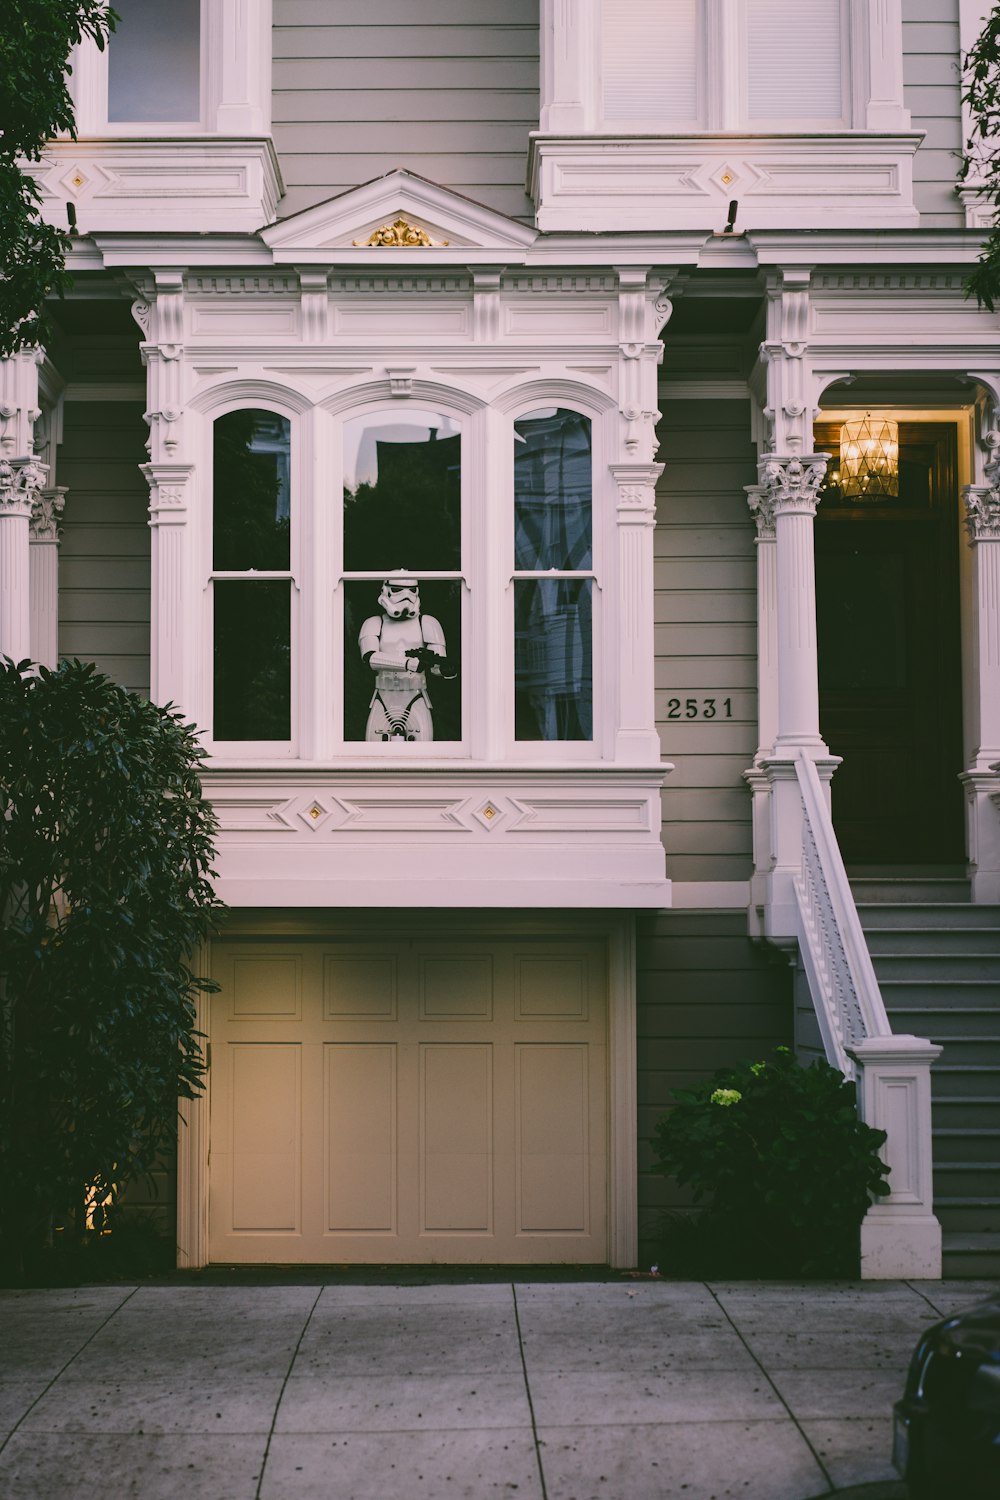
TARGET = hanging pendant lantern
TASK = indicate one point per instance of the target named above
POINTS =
(869, 458)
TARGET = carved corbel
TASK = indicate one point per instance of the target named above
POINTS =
(486, 303)
(760, 499)
(46, 512)
(401, 379)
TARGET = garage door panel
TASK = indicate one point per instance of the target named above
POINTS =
(456, 1139)
(266, 1132)
(266, 986)
(551, 986)
(455, 987)
(360, 987)
(361, 1133)
(553, 1139)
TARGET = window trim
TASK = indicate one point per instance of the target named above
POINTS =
(235, 79)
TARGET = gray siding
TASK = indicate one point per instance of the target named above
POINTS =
(707, 998)
(104, 556)
(932, 95)
(445, 88)
(706, 636)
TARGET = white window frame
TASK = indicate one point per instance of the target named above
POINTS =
(235, 79)
(317, 577)
(872, 76)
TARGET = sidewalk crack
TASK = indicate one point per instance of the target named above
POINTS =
(281, 1393)
(527, 1392)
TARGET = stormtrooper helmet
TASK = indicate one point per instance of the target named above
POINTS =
(400, 597)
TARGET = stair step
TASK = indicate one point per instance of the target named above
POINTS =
(971, 1180)
(971, 1255)
(970, 1051)
(965, 1111)
(967, 1215)
(908, 915)
(945, 968)
(946, 890)
(954, 1079)
(934, 942)
(902, 994)
(952, 1143)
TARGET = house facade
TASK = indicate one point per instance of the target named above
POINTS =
(547, 450)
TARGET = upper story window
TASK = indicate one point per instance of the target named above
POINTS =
(553, 577)
(403, 582)
(186, 67)
(442, 600)
(154, 62)
(691, 65)
(252, 579)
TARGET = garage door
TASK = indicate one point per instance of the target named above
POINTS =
(409, 1101)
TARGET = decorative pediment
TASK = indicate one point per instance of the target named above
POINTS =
(393, 216)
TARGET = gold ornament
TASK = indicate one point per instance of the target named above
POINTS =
(400, 234)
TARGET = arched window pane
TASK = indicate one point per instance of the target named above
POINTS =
(154, 61)
(552, 491)
(251, 491)
(402, 492)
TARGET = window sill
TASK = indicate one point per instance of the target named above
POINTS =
(783, 180)
(444, 835)
(188, 183)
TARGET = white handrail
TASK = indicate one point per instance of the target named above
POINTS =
(835, 956)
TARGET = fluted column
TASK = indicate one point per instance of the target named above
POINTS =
(982, 779)
(792, 486)
(637, 739)
(761, 502)
(19, 480)
(43, 565)
(169, 605)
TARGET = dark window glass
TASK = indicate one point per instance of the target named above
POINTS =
(552, 491)
(553, 659)
(253, 695)
(380, 702)
(402, 492)
(154, 61)
(251, 490)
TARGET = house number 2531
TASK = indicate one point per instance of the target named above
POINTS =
(699, 708)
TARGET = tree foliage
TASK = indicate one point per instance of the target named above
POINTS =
(981, 161)
(36, 38)
(106, 845)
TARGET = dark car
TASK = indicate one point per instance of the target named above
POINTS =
(947, 1426)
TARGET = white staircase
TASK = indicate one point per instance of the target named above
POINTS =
(937, 960)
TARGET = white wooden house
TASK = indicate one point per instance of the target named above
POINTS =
(557, 306)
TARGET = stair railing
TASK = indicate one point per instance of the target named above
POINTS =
(900, 1235)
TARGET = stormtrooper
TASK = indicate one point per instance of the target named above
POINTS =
(402, 647)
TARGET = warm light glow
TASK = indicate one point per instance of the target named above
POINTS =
(869, 458)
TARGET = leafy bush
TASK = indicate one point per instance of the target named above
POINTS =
(106, 845)
(787, 1168)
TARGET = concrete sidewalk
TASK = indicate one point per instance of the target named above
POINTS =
(617, 1390)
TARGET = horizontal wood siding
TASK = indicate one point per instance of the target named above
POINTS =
(707, 998)
(706, 636)
(931, 88)
(104, 556)
(441, 87)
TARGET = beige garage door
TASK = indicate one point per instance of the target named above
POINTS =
(409, 1101)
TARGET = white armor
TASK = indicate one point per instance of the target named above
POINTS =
(394, 644)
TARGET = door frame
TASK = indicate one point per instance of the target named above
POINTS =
(616, 928)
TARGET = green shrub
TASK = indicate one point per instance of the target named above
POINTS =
(785, 1167)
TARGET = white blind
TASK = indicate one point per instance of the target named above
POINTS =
(649, 60)
(794, 60)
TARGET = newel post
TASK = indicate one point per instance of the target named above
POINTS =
(982, 779)
(900, 1235)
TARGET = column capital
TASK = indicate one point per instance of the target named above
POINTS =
(19, 480)
(636, 492)
(982, 505)
(791, 482)
(46, 510)
(760, 499)
(167, 492)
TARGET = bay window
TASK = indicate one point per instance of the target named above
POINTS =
(439, 601)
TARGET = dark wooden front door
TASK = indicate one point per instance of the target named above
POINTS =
(889, 667)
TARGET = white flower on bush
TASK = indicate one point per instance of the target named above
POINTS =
(726, 1096)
